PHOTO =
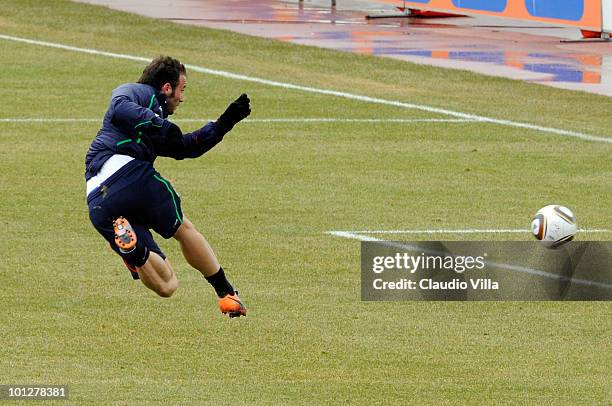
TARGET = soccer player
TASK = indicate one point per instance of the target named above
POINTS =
(127, 197)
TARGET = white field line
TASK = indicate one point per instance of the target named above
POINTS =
(354, 236)
(351, 96)
(255, 120)
(516, 268)
(462, 231)
(360, 120)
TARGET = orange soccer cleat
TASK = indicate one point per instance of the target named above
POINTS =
(125, 238)
(232, 306)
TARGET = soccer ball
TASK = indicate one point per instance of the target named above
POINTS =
(554, 225)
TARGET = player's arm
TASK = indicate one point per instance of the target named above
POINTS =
(175, 145)
(133, 118)
(178, 146)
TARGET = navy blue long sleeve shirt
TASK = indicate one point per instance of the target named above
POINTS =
(135, 124)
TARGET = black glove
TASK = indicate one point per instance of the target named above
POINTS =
(234, 113)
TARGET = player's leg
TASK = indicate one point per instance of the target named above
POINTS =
(196, 249)
(139, 251)
(134, 195)
(200, 255)
(157, 275)
(165, 216)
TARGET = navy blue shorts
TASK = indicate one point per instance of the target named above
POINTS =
(140, 194)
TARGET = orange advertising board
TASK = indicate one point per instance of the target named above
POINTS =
(585, 14)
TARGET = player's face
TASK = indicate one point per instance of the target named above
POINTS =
(176, 97)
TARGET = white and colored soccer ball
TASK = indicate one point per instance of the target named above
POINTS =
(554, 225)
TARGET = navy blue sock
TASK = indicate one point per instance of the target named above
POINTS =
(220, 283)
(137, 256)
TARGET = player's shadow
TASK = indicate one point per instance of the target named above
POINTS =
(586, 262)
(568, 259)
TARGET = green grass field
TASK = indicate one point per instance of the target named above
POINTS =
(265, 198)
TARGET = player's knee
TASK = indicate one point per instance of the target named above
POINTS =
(167, 289)
(185, 230)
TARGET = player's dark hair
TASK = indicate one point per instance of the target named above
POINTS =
(162, 70)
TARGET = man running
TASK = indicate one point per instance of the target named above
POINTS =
(127, 197)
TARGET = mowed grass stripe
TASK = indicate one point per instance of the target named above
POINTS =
(316, 67)
(351, 96)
